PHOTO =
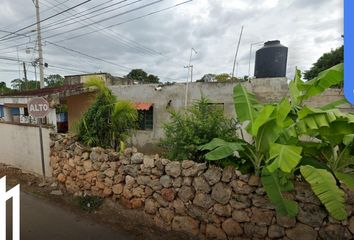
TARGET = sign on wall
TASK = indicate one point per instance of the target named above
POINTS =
(38, 107)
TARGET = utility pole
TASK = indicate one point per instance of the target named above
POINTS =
(40, 50)
(238, 46)
(25, 73)
(189, 67)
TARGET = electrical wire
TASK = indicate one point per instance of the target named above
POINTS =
(114, 36)
(45, 19)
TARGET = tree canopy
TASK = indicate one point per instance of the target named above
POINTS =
(3, 88)
(222, 77)
(54, 80)
(327, 60)
(142, 77)
(22, 85)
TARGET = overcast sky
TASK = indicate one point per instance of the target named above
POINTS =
(160, 43)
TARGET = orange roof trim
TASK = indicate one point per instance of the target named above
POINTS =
(143, 105)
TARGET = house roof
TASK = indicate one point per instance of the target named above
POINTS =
(45, 91)
(143, 105)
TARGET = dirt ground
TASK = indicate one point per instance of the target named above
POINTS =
(112, 214)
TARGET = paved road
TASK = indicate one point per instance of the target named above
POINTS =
(42, 220)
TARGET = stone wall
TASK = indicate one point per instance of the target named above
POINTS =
(203, 201)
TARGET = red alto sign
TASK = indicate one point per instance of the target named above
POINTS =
(38, 107)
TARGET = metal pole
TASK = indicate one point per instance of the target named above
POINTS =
(238, 46)
(249, 62)
(25, 74)
(191, 73)
(40, 50)
(41, 145)
(189, 64)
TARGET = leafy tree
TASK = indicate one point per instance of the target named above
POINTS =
(22, 85)
(198, 125)
(108, 121)
(142, 77)
(3, 88)
(54, 80)
(326, 61)
(207, 78)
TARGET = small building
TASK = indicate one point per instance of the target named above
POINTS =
(154, 101)
(107, 78)
(67, 104)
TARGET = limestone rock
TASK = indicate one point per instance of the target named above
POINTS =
(232, 228)
(173, 169)
(186, 193)
(149, 162)
(166, 214)
(239, 205)
(195, 170)
(213, 232)
(168, 194)
(311, 215)
(61, 178)
(276, 231)
(109, 173)
(261, 216)
(129, 181)
(305, 194)
(150, 206)
(143, 180)
(301, 231)
(160, 200)
(187, 164)
(240, 216)
(241, 187)
(213, 175)
(201, 185)
(221, 193)
(254, 181)
(351, 225)
(334, 232)
(177, 182)
(227, 174)
(223, 210)
(137, 158)
(255, 231)
(203, 200)
(117, 189)
(165, 181)
(179, 207)
(136, 203)
(131, 170)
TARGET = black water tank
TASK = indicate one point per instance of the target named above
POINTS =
(271, 60)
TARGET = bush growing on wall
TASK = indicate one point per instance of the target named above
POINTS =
(200, 123)
(108, 121)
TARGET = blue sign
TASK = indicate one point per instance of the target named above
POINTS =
(349, 50)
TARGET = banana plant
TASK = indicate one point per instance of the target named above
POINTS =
(278, 146)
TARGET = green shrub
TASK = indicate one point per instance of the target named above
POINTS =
(107, 122)
(198, 125)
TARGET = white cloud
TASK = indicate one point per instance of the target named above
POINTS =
(308, 27)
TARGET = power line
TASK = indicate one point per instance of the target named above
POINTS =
(87, 55)
(63, 20)
(108, 18)
(33, 24)
(118, 37)
(121, 23)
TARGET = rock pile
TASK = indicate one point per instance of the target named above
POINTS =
(204, 201)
